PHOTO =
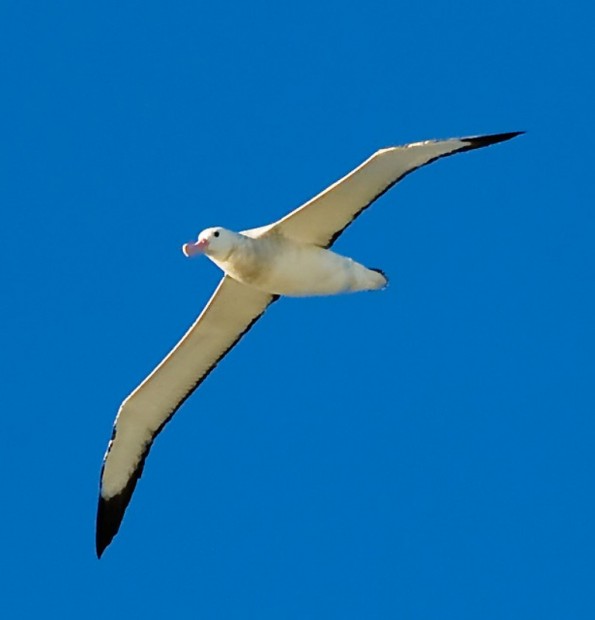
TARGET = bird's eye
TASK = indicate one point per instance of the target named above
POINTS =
(216, 233)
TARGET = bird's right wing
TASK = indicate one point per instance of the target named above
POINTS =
(228, 315)
(323, 218)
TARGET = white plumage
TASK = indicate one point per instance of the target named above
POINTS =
(275, 264)
(289, 257)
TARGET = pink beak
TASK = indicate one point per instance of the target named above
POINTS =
(195, 247)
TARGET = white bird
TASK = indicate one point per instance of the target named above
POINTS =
(289, 257)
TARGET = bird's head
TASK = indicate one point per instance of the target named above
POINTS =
(215, 242)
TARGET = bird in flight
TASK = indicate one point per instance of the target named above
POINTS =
(290, 257)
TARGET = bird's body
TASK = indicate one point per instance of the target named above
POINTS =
(290, 257)
(274, 264)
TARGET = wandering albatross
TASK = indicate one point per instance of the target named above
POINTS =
(289, 257)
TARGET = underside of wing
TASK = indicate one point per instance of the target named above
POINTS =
(321, 220)
(229, 314)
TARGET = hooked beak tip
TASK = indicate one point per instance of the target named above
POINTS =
(195, 247)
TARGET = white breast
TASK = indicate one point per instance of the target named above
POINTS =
(282, 267)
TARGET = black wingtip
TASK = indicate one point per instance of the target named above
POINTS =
(480, 141)
(110, 513)
(103, 534)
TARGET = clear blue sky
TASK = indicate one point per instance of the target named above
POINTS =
(424, 452)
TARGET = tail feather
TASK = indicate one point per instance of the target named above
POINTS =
(382, 284)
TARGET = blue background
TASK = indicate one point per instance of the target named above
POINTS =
(424, 452)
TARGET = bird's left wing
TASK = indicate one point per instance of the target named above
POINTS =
(228, 315)
(321, 220)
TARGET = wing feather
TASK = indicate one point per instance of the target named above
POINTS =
(322, 219)
(229, 314)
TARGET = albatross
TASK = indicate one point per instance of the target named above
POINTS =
(290, 257)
